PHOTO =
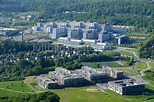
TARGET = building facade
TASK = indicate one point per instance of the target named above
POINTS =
(126, 87)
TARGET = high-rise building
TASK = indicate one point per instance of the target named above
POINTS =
(104, 36)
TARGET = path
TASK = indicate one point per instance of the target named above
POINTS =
(15, 91)
(30, 86)
(119, 63)
(149, 67)
(135, 55)
(22, 91)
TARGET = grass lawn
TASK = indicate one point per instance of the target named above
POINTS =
(141, 66)
(28, 13)
(4, 93)
(91, 94)
(127, 70)
(139, 34)
(16, 86)
(95, 64)
(152, 65)
(133, 50)
(29, 79)
(81, 94)
(126, 53)
(86, 94)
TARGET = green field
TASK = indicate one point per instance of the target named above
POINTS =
(86, 94)
(126, 53)
(95, 64)
(127, 70)
(141, 66)
(28, 13)
(91, 94)
(149, 74)
(139, 34)
(152, 65)
(13, 88)
(81, 94)
(133, 50)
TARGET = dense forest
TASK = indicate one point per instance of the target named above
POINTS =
(139, 13)
(40, 97)
(8, 46)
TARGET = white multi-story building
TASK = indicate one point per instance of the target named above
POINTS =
(103, 36)
(73, 33)
(89, 34)
(59, 32)
(77, 30)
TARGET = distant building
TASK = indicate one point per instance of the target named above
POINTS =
(2, 33)
(77, 30)
(73, 33)
(102, 46)
(30, 17)
(59, 32)
(3, 19)
(104, 36)
(89, 34)
(121, 39)
(107, 27)
(126, 87)
(89, 41)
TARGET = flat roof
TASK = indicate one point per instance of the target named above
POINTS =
(126, 82)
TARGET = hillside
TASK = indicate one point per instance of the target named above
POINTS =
(139, 13)
(146, 49)
(11, 6)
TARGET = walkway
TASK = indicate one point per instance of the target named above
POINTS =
(149, 67)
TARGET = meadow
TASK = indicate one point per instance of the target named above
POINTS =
(80, 94)
(99, 64)
(141, 66)
(139, 34)
(14, 88)
(126, 53)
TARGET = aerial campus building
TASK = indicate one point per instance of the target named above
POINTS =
(92, 74)
(46, 83)
(114, 80)
(62, 77)
(77, 30)
(126, 87)
(66, 77)
(81, 33)
(113, 72)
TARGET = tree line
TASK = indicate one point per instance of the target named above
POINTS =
(139, 13)
(10, 71)
(40, 97)
(146, 49)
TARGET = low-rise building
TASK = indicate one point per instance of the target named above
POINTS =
(113, 72)
(126, 87)
(92, 74)
(46, 83)
(66, 77)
